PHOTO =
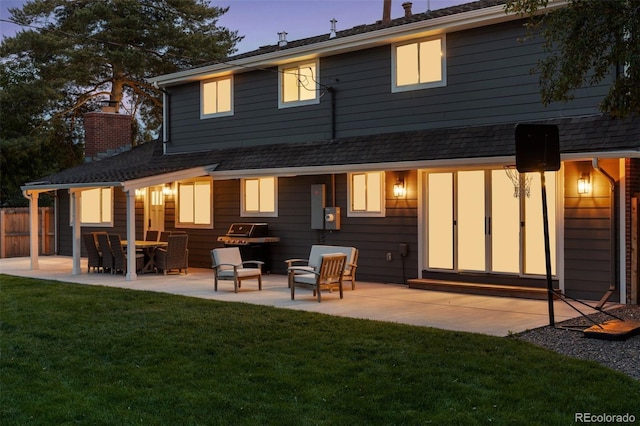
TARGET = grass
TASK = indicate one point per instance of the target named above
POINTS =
(75, 354)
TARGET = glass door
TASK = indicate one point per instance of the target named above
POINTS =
(474, 223)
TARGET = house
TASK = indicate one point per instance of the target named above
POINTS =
(404, 131)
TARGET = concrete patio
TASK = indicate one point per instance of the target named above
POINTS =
(497, 316)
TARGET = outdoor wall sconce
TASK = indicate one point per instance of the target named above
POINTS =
(139, 193)
(584, 184)
(399, 190)
(167, 190)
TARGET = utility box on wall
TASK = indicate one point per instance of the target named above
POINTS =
(332, 218)
(317, 206)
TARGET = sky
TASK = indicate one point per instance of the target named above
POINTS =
(260, 21)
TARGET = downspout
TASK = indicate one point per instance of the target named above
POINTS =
(614, 226)
(332, 92)
(166, 117)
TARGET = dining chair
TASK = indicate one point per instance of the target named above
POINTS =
(120, 257)
(107, 254)
(164, 236)
(175, 255)
(94, 258)
(152, 235)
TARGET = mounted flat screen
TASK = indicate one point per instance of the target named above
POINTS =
(537, 148)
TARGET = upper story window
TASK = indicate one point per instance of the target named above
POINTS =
(366, 194)
(96, 207)
(419, 64)
(298, 84)
(216, 97)
(195, 201)
(260, 197)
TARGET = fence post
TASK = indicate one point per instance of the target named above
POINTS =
(3, 240)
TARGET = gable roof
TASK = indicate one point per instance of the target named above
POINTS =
(588, 135)
(478, 13)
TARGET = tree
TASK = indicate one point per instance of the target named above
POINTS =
(585, 40)
(73, 55)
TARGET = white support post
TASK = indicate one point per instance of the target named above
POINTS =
(76, 229)
(131, 235)
(33, 229)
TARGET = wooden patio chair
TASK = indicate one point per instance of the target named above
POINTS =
(120, 257)
(94, 258)
(105, 249)
(175, 255)
(328, 276)
(227, 264)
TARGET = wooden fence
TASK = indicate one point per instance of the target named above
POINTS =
(14, 231)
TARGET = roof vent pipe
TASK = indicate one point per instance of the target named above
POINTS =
(407, 9)
(282, 40)
(333, 28)
(386, 11)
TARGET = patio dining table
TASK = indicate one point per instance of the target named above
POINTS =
(149, 250)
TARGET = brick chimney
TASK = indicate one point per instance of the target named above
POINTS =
(407, 9)
(106, 134)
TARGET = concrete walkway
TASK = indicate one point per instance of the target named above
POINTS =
(497, 316)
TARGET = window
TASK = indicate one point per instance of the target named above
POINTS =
(195, 201)
(366, 194)
(259, 197)
(217, 97)
(298, 84)
(419, 65)
(96, 207)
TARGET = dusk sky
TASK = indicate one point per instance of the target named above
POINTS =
(260, 21)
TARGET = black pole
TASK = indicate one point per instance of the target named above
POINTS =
(547, 248)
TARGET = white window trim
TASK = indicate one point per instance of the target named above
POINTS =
(245, 213)
(383, 209)
(108, 224)
(314, 101)
(420, 86)
(192, 225)
(204, 116)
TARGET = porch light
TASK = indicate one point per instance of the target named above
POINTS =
(139, 193)
(399, 190)
(584, 184)
(167, 190)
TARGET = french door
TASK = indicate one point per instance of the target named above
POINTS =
(474, 223)
(155, 208)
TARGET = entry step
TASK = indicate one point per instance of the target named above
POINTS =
(477, 288)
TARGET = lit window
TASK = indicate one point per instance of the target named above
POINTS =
(195, 201)
(259, 197)
(298, 84)
(366, 194)
(419, 65)
(216, 97)
(96, 207)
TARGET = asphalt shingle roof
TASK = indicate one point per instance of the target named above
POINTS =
(379, 25)
(597, 133)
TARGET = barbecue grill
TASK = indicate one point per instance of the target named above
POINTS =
(252, 239)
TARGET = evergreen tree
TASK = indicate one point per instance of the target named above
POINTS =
(72, 56)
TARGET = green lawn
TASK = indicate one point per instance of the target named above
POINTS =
(77, 354)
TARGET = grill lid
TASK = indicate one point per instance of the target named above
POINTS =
(248, 230)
